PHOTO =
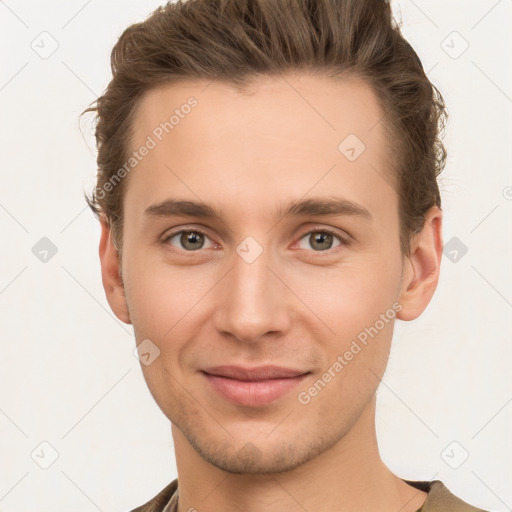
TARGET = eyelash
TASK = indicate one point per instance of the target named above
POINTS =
(343, 241)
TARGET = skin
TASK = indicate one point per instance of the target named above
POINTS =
(298, 305)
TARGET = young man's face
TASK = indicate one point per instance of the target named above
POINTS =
(251, 286)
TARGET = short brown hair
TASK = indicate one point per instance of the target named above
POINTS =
(237, 41)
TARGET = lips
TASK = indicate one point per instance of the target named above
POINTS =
(253, 386)
(254, 374)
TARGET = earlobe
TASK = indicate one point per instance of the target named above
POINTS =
(111, 275)
(421, 268)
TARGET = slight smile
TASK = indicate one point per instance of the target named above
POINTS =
(253, 387)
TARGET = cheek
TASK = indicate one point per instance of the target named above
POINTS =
(164, 303)
(160, 297)
(353, 307)
(347, 298)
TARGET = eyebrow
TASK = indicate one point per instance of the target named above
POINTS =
(315, 207)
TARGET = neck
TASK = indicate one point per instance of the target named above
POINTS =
(350, 476)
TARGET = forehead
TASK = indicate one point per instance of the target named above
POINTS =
(334, 107)
(286, 134)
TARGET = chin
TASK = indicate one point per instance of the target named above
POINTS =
(247, 457)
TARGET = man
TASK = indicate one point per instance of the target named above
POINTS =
(269, 207)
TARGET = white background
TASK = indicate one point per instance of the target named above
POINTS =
(68, 375)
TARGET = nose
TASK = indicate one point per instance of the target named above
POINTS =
(252, 302)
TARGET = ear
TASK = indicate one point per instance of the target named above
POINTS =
(421, 268)
(111, 275)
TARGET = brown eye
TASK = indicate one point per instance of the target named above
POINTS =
(320, 240)
(189, 240)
